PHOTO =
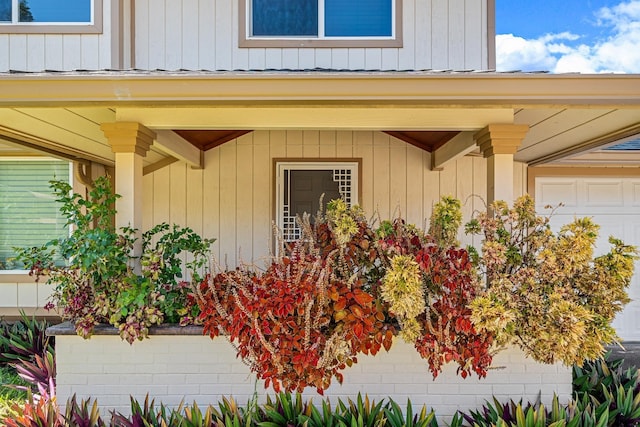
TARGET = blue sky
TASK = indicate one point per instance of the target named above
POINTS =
(587, 36)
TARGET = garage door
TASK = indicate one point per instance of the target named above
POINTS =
(614, 204)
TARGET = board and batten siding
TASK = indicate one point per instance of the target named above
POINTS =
(59, 52)
(232, 198)
(203, 35)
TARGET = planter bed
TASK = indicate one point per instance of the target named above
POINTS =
(179, 364)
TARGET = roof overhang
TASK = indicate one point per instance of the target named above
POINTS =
(359, 88)
(567, 113)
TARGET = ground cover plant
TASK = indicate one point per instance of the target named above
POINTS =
(23, 345)
(8, 393)
(24, 339)
(604, 395)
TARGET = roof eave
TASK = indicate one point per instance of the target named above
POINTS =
(344, 88)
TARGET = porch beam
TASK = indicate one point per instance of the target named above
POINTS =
(179, 148)
(458, 146)
(498, 143)
(400, 118)
(158, 165)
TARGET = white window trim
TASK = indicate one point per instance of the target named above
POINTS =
(16, 27)
(246, 39)
(35, 159)
(282, 166)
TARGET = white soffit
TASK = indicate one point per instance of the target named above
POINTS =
(566, 132)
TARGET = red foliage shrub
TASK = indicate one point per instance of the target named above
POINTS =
(317, 306)
(296, 325)
(449, 334)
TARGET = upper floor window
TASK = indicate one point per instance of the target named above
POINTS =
(320, 23)
(50, 16)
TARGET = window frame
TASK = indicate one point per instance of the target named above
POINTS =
(93, 27)
(280, 165)
(245, 39)
(4, 274)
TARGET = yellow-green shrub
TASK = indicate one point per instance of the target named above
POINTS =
(545, 291)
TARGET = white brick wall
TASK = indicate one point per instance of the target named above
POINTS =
(196, 368)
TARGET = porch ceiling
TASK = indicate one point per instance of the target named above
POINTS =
(208, 139)
(567, 114)
(428, 141)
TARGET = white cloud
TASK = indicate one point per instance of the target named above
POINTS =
(517, 53)
(574, 62)
(562, 53)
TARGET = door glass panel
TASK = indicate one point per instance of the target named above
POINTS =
(307, 186)
(302, 189)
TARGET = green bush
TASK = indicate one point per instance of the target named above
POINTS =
(28, 353)
(604, 395)
(23, 340)
(98, 284)
(604, 384)
(284, 410)
(517, 414)
(595, 376)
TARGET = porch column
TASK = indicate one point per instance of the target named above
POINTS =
(130, 142)
(498, 143)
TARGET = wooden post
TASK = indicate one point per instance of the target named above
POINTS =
(130, 142)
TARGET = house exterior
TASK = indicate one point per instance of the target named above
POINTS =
(204, 111)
